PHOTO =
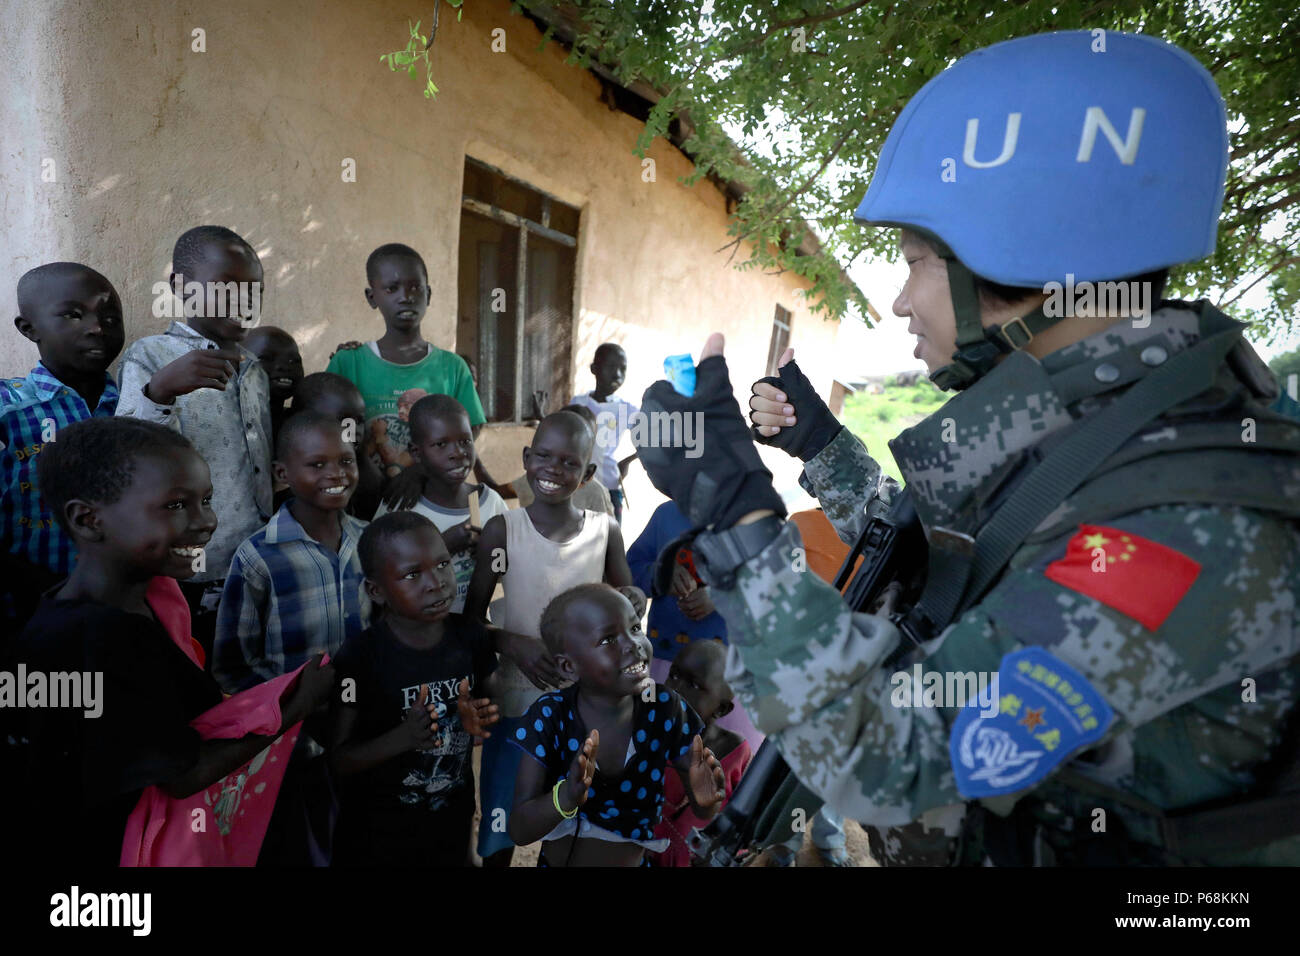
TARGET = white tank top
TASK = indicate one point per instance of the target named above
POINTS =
(537, 570)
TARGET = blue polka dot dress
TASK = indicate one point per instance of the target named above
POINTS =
(628, 802)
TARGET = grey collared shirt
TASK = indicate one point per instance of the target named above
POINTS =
(231, 430)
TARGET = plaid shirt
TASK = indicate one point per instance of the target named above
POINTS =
(286, 598)
(27, 528)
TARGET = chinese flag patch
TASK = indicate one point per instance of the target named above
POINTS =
(1131, 574)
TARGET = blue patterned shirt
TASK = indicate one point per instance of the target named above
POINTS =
(32, 409)
(286, 598)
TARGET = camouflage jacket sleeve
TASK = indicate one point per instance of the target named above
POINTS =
(847, 481)
(810, 672)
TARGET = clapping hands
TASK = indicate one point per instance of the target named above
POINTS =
(708, 784)
(581, 772)
(475, 715)
(420, 726)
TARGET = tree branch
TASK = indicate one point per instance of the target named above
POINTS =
(1255, 185)
(1280, 264)
(793, 194)
(777, 28)
(1256, 212)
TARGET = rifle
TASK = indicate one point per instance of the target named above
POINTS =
(892, 547)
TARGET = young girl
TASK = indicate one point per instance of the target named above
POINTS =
(136, 498)
(586, 814)
(697, 674)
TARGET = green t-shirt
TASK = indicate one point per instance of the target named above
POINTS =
(389, 390)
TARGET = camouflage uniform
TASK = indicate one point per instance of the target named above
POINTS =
(811, 673)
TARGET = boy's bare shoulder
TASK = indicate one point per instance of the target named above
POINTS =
(494, 531)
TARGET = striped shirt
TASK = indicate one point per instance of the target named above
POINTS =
(286, 598)
(32, 410)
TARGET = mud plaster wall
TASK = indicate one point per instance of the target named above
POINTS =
(149, 138)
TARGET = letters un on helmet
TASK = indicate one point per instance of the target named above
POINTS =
(1061, 158)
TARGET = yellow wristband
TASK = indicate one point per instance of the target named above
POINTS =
(555, 799)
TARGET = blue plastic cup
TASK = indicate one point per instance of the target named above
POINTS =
(680, 370)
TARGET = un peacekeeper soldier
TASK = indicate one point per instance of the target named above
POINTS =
(1109, 504)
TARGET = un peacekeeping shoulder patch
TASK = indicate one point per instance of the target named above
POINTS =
(1046, 712)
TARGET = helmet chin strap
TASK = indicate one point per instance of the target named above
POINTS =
(978, 348)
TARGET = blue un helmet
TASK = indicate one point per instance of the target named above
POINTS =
(1072, 156)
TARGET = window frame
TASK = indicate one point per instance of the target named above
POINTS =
(525, 226)
(782, 321)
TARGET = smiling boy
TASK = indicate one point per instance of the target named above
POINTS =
(538, 552)
(278, 354)
(294, 587)
(334, 396)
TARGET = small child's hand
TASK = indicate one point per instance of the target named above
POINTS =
(532, 658)
(403, 490)
(697, 605)
(311, 691)
(461, 537)
(346, 347)
(420, 726)
(708, 782)
(683, 583)
(636, 596)
(201, 368)
(581, 771)
(315, 683)
(475, 715)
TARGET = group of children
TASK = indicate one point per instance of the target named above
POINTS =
(216, 497)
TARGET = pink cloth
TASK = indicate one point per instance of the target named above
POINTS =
(225, 823)
(679, 819)
(173, 613)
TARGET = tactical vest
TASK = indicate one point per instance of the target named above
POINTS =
(1165, 440)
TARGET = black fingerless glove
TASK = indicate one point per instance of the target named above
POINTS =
(718, 478)
(815, 425)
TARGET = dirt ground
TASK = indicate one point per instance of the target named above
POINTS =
(808, 856)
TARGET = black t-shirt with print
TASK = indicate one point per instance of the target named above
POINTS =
(388, 676)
